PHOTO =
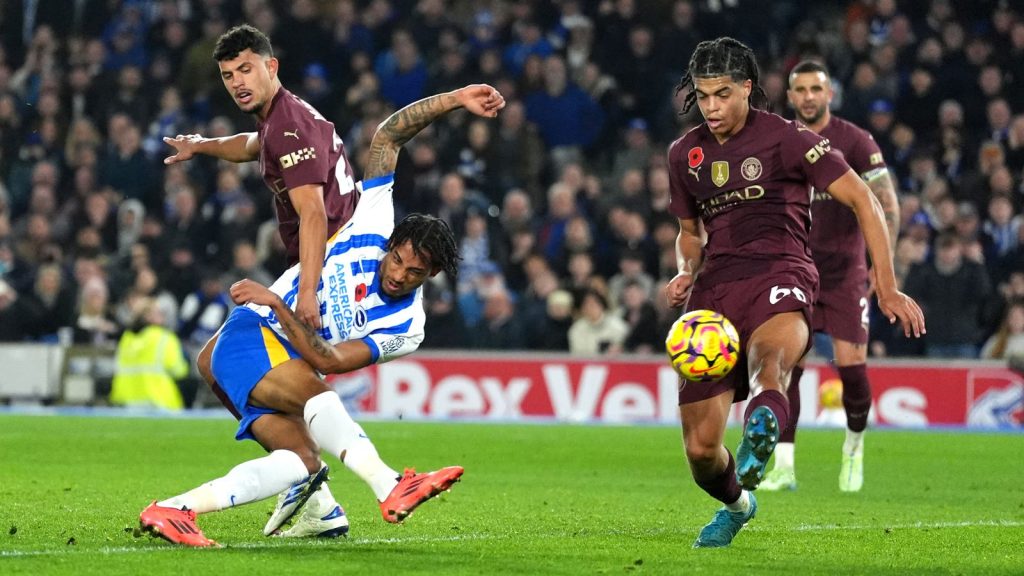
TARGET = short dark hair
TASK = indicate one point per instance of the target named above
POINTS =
(809, 66)
(431, 235)
(722, 56)
(242, 37)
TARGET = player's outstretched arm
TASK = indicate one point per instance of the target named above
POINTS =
(400, 127)
(324, 358)
(243, 147)
(852, 191)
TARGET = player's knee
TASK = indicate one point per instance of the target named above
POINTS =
(701, 454)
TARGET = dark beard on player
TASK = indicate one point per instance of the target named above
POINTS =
(817, 116)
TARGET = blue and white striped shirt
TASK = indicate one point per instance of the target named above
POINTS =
(352, 305)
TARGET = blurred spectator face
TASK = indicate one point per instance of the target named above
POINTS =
(953, 36)
(48, 281)
(978, 51)
(130, 78)
(130, 140)
(559, 305)
(38, 229)
(534, 266)
(929, 52)
(990, 80)
(577, 234)
(951, 113)
(139, 256)
(998, 113)
(633, 296)
(97, 209)
(1000, 210)
(43, 200)
(145, 280)
(476, 225)
(250, 79)
(857, 34)
(170, 100)
(864, 76)
(948, 255)
(635, 227)
(921, 80)
(592, 308)
(641, 42)
(245, 256)
(561, 201)
(554, 75)
(1017, 36)
(902, 136)
(572, 176)
(1015, 319)
(1000, 181)
(513, 116)
(516, 206)
(490, 63)
(581, 266)
(632, 183)
(94, 297)
(479, 135)
(453, 190)
(88, 241)
(44, 173)
(497, 306)
(407, 55)
(990, 157)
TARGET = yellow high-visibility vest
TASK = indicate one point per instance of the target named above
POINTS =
(148, 363)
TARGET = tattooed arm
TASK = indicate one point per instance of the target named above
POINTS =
(324, 358)
(401, 126)
(881, 186)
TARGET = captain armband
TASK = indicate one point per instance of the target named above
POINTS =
(874, 173)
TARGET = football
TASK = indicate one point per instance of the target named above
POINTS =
(830, 393)
(703, 346)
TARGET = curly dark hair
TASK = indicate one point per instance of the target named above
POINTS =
(722, 56)
(431, 239)
(243, 36)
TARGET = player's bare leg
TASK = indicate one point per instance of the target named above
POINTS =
(291, 435)
(851, 359)
(714, 470)
(320, 514)
(774, 348)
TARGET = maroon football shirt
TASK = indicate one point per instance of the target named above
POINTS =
(298, 146)
(837, 244)
(753, 194)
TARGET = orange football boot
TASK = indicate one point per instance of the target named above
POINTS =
(175, 526)
(414, 489)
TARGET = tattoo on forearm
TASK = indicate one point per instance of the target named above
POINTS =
(400, 127)
(297, 331)
(882, 188)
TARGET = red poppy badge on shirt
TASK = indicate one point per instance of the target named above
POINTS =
(695, 156)
(360, 292)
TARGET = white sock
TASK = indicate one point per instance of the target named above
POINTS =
(784, 456)
(321, 502)
(340, 435)
(854, 443)
(248, 482)
(740, 505)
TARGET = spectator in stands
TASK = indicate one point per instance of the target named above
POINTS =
(638, 312)
(552, 333)
(94, 324)
(597, 330)
(245, 265)
(499, 327)
(1008, 341)
(953, 292)
(444, 327)
(53, 301)
(402, 73)
(203, 311)
(17, 317)
(568, 119)
(149, 362)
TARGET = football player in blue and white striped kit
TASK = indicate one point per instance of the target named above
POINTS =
(267, 363)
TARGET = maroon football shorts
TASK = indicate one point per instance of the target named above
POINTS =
(841, 310)
(748, 303)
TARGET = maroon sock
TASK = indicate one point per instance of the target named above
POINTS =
(856, 396)
(793, 395)
(723, 486)
(774, 400)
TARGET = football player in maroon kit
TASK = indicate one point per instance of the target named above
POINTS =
(837, 247)
(741, 188)
(301, 157)
(302, 160)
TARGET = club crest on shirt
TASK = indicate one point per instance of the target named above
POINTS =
(751, 169)
(720, 172)
(360, 317)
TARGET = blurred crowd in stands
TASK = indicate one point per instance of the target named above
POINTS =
(560, 203)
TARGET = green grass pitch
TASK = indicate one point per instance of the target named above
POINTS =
(536, 499)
